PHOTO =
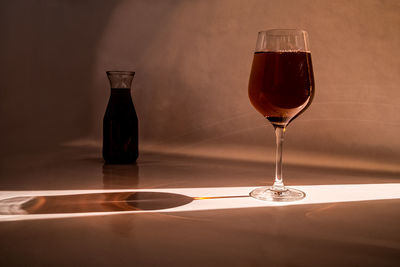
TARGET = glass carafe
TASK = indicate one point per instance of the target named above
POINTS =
(120, 124)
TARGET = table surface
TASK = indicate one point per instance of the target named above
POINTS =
(66, 208)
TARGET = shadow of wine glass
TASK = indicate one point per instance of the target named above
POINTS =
(94, 202)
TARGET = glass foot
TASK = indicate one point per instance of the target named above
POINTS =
(289, 194)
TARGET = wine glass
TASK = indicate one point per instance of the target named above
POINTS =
(281, 87)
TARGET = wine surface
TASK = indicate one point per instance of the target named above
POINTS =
(120, 128)
(281, 85)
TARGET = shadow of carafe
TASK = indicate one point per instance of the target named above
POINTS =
(120, 176)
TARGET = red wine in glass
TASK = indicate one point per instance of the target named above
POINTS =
(281, 85)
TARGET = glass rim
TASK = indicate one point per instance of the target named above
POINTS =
(120, 72)
(273, 40)
(283, 30)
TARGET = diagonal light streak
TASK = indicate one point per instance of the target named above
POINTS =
(212, 198)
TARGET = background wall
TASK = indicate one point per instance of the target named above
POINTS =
(192, 61)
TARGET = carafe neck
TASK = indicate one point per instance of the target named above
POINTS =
(120, 79)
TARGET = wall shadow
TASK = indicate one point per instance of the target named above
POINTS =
(47, 55)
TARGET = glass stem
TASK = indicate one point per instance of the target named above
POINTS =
(278, 184)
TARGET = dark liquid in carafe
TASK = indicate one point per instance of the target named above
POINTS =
(281, 85)
(120, 128)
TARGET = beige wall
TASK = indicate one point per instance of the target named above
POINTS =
(192, 61)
